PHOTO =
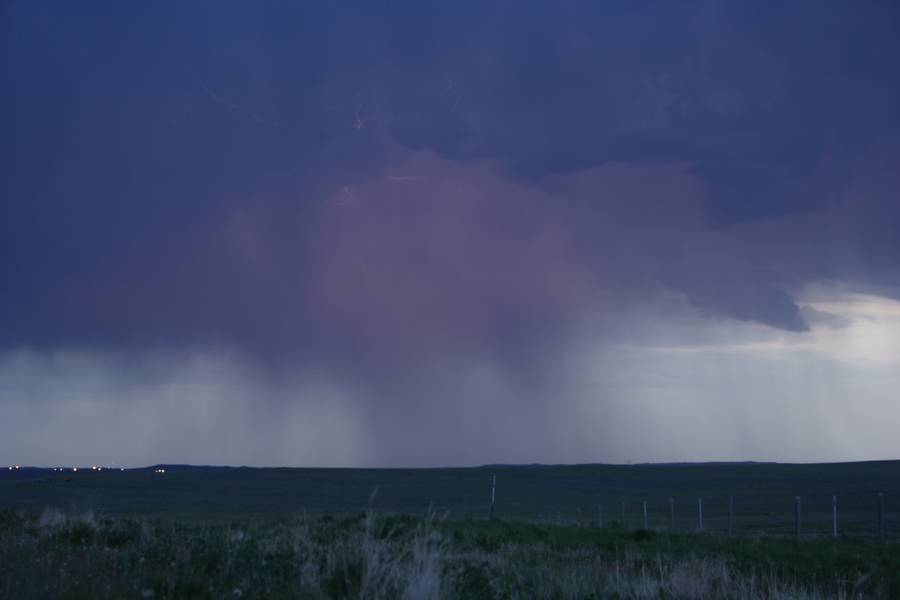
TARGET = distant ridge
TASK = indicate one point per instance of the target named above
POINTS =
(642, 464)
(31, 472)
(712, 463)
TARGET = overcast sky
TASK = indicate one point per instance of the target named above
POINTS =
(449, 233)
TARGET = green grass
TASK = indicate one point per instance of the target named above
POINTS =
(289, 533)
(327, 556)
(764, 493)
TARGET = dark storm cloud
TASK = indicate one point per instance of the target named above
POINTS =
(181, 175)
(754, 98)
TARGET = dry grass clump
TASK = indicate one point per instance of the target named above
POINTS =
(378, 560)
(54, 518)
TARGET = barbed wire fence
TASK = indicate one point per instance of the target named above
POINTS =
(868, 514)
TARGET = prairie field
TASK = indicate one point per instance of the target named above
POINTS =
(86, 555)
(763, 493)
(559, 532)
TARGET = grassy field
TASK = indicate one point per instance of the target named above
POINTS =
(59, 555)
(763, 493)
(200, 532)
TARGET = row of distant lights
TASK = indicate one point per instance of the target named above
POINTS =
(75, 469)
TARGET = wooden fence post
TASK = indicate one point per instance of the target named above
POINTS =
(881, 516)
(730, 514)
(672, 515)
(493, 494)
(645, 515)
(834, 516)
(700, 514)
(797, 516)
(623, 516)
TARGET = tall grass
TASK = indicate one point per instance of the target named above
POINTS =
(81, 555)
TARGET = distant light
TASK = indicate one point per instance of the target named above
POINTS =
(74, 468)
(122, 469)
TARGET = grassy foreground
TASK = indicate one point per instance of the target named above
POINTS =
(57, 555)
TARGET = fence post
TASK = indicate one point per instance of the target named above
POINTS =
(881, 516)
(623, 517)
(645, 515)
(797, 516)
(672, 515)
(730, 515)
(700, 514)
(600, 515)
(558, 518)
(493, 494)
(834, 516)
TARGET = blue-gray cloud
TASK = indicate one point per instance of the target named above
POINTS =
(155, 148)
